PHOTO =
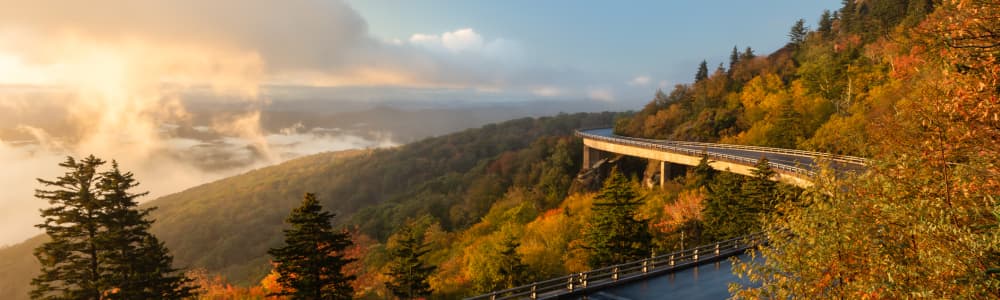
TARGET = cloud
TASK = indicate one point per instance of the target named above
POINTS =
(601, 94)
(641, 80)
(464, 39)
(547, 91)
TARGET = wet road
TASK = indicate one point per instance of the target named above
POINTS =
(709, 281)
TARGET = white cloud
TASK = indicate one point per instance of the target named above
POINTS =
(640, 80)
(547, 91)
(467, 41)
(464, 39)
(601, 94)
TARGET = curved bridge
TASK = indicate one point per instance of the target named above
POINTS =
(795, 167)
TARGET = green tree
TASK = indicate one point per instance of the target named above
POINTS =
(747, 54)
(407, 270)
(71, 260)
(616, 234)
(797, 35)
(100, 246)
(702, 174)
(312, 260)
(702, 71)
(825, 23)
(502, 266)
(760, 191)
(724, 215)
(734, 58)
(139, 265)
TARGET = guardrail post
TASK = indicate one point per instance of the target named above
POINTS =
(645, 263)
(569, 283)
(534, 295)
(614, 275)
(652, 260)
(493, 295)
(671, 260)
(583, 282)
(716, 249)
(695, 254)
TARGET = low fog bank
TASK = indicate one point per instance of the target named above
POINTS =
(215, 139)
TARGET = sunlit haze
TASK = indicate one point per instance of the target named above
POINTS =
(185, 92)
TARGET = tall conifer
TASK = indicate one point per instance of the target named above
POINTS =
(408, 271)
(71, 266)
(100, 246)
(311, 261)
(140, 265)
(616, 234)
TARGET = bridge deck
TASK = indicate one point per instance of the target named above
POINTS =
(794, 166)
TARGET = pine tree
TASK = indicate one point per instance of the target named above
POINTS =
(512, 269)
(616, 234)
(140, 266)
(311, 261)
(826, 23)
(702, 174)
(702, 71)
(71, 263)
(734, 58)
(760, 192)
(724, 215)
(101, 247)
(747, 54)
(797, 35)
(407, 271)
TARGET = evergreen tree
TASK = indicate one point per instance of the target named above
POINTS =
(512, 270)
(71, 262)
(724, 215)
(734, 58)
(760, 192)
(826, 23)
(616, 234)
(101, 247)
(797, 35)
(407, 271)
(702, 71)
(747, 54)
(702, 174)
(312, 260)
(505, 266)
(140, 266)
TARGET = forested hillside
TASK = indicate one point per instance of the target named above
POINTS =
(227, 226)
(911, 84)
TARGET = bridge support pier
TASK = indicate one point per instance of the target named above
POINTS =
(663, 173)
(590, 157)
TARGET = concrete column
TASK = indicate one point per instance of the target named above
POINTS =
(586, 157)
(663, 173)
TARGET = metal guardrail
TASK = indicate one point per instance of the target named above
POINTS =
(620, 273)
(711, 155)
(804, 153)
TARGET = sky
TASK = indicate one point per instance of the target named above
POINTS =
(116, 78)
(605, 43)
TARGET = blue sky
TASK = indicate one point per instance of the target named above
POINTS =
(610, 41)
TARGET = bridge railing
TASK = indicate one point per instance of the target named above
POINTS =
(840, 158)
(616, 274)
(715, 156)
(832, 157)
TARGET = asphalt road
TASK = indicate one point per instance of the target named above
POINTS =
(807, 162)
(710, 281)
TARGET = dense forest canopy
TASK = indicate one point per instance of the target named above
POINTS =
(912, 84)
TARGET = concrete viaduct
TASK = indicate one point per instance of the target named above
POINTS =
(794, 167)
